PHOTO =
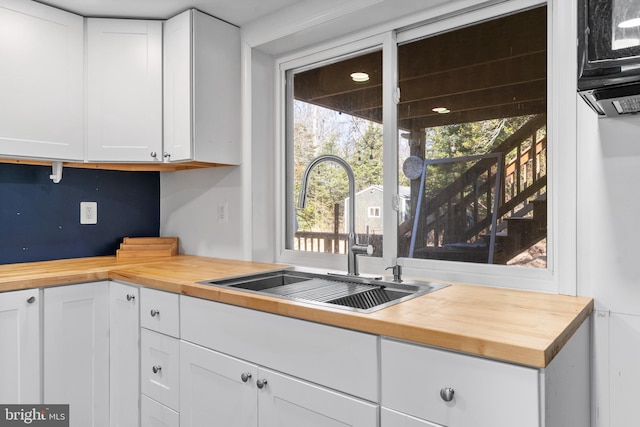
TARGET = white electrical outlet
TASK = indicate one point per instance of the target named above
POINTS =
(88, 212)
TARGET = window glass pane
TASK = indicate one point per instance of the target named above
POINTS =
(335, 109)
(625, 23)
(472, 143)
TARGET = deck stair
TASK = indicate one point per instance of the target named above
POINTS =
(521, 233)
(522, 207)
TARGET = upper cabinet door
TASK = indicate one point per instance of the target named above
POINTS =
(124, 90)
(41, 81)
(201, 89)
(178, 108)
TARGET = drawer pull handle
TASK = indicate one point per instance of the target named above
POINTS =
(447, 394)
(156, 369)
(261, 384)
(154, 313)
(245, 377)
(130, 297)
(31, 300)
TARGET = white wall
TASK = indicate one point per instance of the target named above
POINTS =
(188, 209)
(609, 258)
(263, 158)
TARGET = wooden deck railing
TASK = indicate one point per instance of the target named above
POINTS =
(333, 243)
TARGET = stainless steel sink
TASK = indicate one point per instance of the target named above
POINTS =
(354, 293)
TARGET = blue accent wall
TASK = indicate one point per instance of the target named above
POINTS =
(40, 220)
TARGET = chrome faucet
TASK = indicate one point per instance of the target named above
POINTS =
(353, 247)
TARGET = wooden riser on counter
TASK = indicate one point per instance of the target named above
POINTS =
(147, 247)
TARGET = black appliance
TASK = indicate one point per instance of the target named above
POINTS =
(609, 55)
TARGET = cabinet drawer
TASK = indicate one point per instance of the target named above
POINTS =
(485, 392)
(155, 414)
(333, 357)
(389, 418)
(159, 311)
(160, 368)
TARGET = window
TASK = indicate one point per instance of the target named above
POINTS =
(470, 139)
(335, 109)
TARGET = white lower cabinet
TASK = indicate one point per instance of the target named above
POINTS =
(160, 368)
(332, 357)
(284, 401)
(20, 349)
(123, 356)
(398, 419)
(160, 358)
(425, 386)
(154, 414)
(217, 387)
(457, 390)
(124, 352)
(76, 351)
(236, 393)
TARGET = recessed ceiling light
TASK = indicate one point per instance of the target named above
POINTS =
(360, 77)
(441, 110)
(630, 23)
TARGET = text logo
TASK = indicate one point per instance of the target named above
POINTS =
(34, 415)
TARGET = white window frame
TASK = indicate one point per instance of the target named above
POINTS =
(308, 60)
(374, 212)
(560, 274)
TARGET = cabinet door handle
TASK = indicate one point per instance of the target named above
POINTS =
(130, 297)
(154, 313)
(446, 393)
(156, 369)
(154, 155)
(31, 300)
(245, 377)
(261, 383)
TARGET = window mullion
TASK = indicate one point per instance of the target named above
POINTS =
(390, 146)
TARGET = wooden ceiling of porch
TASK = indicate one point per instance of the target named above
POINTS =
(489, 70)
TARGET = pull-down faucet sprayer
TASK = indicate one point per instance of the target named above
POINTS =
(353, 247)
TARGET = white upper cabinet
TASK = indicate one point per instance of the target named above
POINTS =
(41, 81)
(124, 90)
(110, 106)
(201, 89)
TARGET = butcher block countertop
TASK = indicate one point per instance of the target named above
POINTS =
(523, 327)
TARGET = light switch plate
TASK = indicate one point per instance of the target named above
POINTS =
(223, 212)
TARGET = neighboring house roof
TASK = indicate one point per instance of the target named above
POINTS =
(404, 191)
